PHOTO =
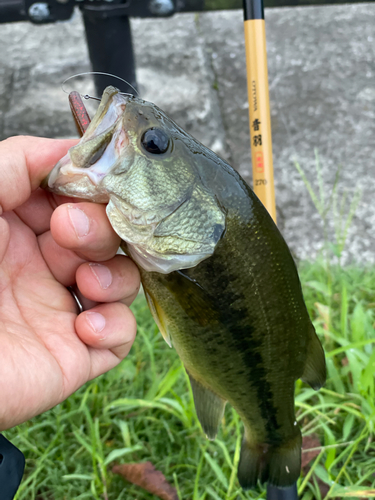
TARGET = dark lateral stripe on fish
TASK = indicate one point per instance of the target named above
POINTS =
(237, 322)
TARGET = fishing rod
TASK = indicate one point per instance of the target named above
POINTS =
(259, 105)
(274, 493)
(261, 137)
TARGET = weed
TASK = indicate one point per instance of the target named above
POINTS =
(334, 207)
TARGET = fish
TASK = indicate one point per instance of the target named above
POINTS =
(217, 274)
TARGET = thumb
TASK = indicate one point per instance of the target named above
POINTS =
(24, 162)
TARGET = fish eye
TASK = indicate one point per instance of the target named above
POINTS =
(155, 141)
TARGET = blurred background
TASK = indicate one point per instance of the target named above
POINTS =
(321, 63)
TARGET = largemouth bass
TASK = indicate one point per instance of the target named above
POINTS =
(218, 276)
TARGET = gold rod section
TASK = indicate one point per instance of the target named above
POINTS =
(259, 113)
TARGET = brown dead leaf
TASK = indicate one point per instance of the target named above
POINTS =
(324, 489)
(345, 362)
(310, 449)
(147, 477)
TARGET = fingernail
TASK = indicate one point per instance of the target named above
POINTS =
(102, 274)
(80, 221)
(96, 320)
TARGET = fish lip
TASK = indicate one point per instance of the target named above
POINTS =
(104, 121)
(109, 120)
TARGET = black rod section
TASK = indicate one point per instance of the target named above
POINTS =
(253, 9)
(274, 493)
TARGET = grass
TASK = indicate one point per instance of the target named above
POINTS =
(143, 410)
(341, 302)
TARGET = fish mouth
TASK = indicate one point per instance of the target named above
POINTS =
(80, 172)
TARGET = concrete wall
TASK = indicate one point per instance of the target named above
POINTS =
(321, 64)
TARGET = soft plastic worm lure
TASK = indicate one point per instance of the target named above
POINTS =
(79, 112)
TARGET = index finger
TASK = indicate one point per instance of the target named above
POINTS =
(24, 162)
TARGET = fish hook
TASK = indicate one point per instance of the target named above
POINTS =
(78, 109)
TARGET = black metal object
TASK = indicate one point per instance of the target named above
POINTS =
(49, 11)
(12, 464)
(35, 11)
(110, 47)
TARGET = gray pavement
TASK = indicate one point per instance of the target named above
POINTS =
(321, 64)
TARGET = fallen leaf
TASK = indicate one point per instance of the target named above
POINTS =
(311, 448)
(324, 489)
(345, 361)
(147, 477)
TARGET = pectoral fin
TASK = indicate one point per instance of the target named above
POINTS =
(157, 314)
(314, 372)
(209, 408)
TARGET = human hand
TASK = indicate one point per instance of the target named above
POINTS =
(47, 349)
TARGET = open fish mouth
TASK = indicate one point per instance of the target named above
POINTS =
(86, 164)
